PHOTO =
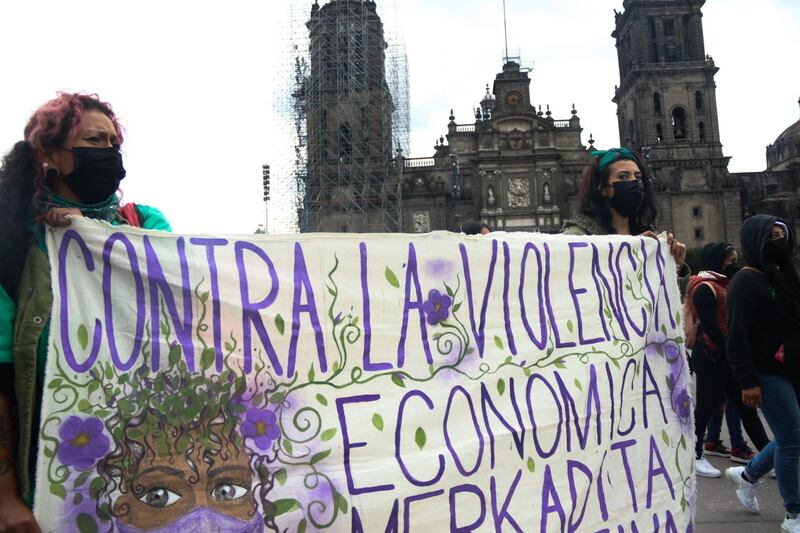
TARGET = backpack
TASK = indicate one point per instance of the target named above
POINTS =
(691, 324)
(130, 214)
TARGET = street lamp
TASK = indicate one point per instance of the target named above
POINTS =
(265, 182)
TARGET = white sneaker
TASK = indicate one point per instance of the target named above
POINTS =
(745, 491)
(791, 525)
(703, 468)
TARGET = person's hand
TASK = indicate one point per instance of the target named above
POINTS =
(677, 249)
(752, 397)
(15, 517)
(650, 234)
(59, 216)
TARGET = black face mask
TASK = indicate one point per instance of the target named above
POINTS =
(96, 173)
(628, 197)
(777, 251)
(730, 270)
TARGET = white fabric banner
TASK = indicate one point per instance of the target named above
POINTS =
(508, 382)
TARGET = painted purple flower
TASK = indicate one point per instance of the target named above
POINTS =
(437, 308)
(83, 442)
(337, 318)
(683, 402)
(261, 426)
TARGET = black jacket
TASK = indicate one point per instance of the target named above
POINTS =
(757, 323)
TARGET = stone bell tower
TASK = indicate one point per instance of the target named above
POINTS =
(667, 109)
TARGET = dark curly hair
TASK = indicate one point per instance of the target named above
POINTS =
(23, 182)
(592, 203)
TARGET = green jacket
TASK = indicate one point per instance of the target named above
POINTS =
(22, 324)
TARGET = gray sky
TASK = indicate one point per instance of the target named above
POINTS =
(192, 81)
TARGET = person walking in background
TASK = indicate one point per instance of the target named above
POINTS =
(763, 347)
(739, 452)
(707, 294)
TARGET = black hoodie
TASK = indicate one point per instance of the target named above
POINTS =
(757, 323)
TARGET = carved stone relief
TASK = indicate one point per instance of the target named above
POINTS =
(422, 221)
(518, 193)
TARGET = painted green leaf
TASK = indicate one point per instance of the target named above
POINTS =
(287, 445)
(302, 526)
(397, 380)
(207, 358)
(616, 363)
(559, 364)
(377, 421)
(665, 436)
(174, 355)
(321, 399)
(679, 340)
(280, 476)
(286, 505)
(498, 342)
(228, 346)
(684, 503)
(578, 385)
(164, 328)
(86, 523)
(311, 373)
(335, 366)
(320, 456)
(678, 316)
(570, 327)
(420, 438)
(48, 452)
(77, 499)
(450, 292)
(96, 487)
(56, 383)
(531, 465)
(83, 337)
(682, 442)
(328, 434)
(607, 312)
(82, 477)
(501, 386)
(669, 382)
(527, 372)
(109, 371)
(457, 307)
(84, 406)
(341, 502)
(279, 324)
(391, 278)
(204, 297)
(663, 329)
(276, 398)
(59, 490)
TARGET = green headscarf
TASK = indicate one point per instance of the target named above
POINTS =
(612, 154)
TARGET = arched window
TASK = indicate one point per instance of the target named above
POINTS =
(657, 103)
(659, 134)
(630, 131)
(701, 131)
(679, 123)
(698, 100)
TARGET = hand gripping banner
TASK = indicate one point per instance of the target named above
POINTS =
(439, 382)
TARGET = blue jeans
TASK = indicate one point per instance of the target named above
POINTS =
(734, 426)
(781, 408)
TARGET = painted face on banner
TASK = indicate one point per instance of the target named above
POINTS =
(165, 489)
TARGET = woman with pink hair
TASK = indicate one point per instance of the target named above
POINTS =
(68, 164)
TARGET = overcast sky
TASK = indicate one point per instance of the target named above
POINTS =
(192, 81)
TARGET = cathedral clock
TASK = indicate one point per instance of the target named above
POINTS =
(513, 98)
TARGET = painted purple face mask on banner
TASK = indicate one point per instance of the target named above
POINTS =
(203, 520)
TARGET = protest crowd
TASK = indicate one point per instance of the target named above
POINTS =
(741, 313)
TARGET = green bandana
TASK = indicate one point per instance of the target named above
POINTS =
(105, 210)
(612, 154)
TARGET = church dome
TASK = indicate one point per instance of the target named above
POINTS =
(488, 97)
(789, 134)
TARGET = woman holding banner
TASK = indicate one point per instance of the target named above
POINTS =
(69, 164)
(616, 197)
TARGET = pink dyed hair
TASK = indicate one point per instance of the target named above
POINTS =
(52, 123)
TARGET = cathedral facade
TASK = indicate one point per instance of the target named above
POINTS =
(517, 167)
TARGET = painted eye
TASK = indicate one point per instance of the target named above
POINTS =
(159, 497)
(226, 492)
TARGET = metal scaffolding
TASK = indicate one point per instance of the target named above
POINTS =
(344, 98)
